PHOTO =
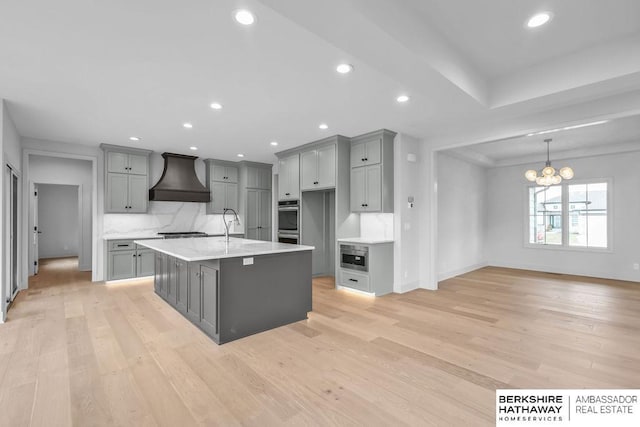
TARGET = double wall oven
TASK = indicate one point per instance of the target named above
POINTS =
(289, 221)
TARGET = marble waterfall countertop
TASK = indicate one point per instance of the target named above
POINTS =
(365, 240)
(150, 235)
(205, 248)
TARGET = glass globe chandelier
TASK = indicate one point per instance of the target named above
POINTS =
(548, 175)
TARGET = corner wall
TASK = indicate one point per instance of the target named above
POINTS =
(462, 216)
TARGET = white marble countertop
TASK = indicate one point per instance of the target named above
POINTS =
(150, 235)
(206, 248)
(365, 240)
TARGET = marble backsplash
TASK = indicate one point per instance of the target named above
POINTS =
(167, 217)
(376, 226)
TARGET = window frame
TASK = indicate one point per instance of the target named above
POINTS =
(566, 219)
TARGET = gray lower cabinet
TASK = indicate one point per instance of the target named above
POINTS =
(378, 277)
(181, 279)
(209, 289)
(126, 260)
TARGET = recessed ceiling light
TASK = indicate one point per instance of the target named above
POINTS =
(193, 148)
(538, 19)
(323, 126)
(402, 98)
(134, 138)
(240, 155)
(344, 68)
(216, 106)
(187, 125)
(274, 143)
(244, 17)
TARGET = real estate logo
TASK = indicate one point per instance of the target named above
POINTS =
(576, 408)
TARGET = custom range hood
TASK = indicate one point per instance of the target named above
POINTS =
(179, 182)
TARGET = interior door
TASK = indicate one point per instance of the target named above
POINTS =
(35, 231)
(10, 193)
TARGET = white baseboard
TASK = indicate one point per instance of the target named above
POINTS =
(453, 273)
(582, 270)
(406, 287)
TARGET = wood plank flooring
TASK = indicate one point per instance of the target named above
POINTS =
(76, 353)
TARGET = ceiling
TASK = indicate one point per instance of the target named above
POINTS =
(612, 136)
(100, 72)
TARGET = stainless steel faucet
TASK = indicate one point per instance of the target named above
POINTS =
(226, 225)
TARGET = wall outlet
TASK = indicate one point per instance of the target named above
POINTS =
(636, 266)
(247, 261)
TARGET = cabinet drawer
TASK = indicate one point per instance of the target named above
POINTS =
(121, 245)
(354, 280)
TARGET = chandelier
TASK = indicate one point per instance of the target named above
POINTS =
(548, 175)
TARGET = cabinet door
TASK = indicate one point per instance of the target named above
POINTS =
(309, 170)
(182, 280)
(264, 178)
(294, 177)
(209, 299)
(283, 179)
(232, 174)
(145, 263)
(231, 196)
(158, 281)
(358, 154)
(218, 197)
(373, 151)
(117, 192)
(172, 283)
(218, 173)
(122, 265)
(138, 194)
(327, 166)
(358, 189)
(264, 208)
(373, 188)
(193, 294)
(264, 233)
(138, 164)
(252, 177)
(117, 162)
(252, 234)
(253, 213)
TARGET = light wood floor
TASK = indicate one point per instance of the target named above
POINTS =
(91, 354)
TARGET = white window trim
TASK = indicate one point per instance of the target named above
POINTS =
(565, 229)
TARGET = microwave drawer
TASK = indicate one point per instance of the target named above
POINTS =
(354, 280)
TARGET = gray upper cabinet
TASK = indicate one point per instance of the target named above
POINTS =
(289, 178)
(366, 152)
(126, 179)
(372, 172)
(223, 173)
(258, 177)
(318, 168)
(222, 181)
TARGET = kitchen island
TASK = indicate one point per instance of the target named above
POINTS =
(233, 289)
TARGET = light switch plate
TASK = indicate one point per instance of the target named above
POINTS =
(247, 261)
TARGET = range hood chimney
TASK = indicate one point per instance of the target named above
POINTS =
(179, 182)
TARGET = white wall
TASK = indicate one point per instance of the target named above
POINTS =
(64, 171)
(506, 221)
(406, 220)
(462, 216)
(10, 150)
(58, 221)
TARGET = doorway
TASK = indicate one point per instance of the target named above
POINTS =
(57, 228)
(12, 223)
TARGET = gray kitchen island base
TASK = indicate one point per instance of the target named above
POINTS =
(231, 298)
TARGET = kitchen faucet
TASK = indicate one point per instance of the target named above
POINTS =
(226, 225)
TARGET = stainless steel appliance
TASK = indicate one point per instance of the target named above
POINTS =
(182, 234)
(289, 221)
(354, 257)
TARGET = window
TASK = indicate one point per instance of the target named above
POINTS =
(583, 209)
